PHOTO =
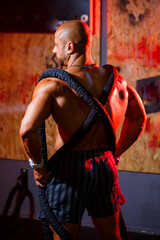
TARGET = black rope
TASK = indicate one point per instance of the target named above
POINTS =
(96, 106)
(97, 111)
(47, 232)
(42, 134)
(51, 218)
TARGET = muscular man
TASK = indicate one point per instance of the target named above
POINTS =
(87, 176)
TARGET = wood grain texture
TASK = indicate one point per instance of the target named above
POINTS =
(23, 58)
(133, 45)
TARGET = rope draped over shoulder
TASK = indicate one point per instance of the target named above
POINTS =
(97, 111)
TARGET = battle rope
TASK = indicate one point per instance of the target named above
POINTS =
(96, 106)
(96, 111)
(51, 218)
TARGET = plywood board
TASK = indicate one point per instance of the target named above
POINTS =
(23, 58)
(133, 45)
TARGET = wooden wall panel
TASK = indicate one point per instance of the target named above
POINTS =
(133, 45)
(23, 58)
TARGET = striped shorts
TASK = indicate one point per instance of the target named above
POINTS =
(86, 179)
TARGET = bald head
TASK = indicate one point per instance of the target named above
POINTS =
(75, 31)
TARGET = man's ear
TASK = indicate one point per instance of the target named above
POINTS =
(70, 47)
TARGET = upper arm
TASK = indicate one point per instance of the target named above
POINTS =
(135, 109)
(38, 110)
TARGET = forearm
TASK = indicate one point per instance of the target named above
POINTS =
(130, 132)
(32, 145)
(133, 124)
(37, 112)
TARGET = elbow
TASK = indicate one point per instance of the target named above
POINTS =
(143, 119)
(141, 123)
(25, 131)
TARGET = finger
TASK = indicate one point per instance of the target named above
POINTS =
(40, 185)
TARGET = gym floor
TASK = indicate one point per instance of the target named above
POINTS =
(25, 229)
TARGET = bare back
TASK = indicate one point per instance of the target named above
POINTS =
(70, 110)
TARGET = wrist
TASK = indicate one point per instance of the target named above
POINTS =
(117, 160)
(35, 165)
